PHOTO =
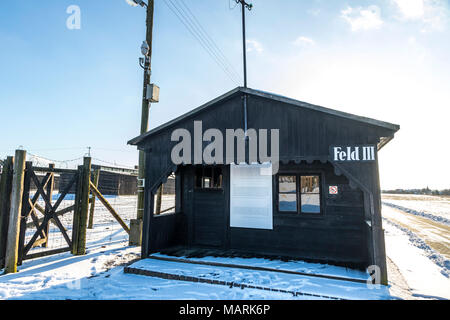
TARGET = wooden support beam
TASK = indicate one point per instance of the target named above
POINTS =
(165, 210)
(12, 242)
(5, 203)
(25, 210)
(109, 207)
(57, 213)
(48, 208)
(39, 242)
(159, 199)
(76, 212)
(46, 253)
(92, 209)
(85, 183)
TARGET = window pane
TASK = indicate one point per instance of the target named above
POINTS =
(206, 182)
(287, 184)
(287, 202)
(310, 203)
(198, 177)
(217, 178)
(310, 184)
(310, 188)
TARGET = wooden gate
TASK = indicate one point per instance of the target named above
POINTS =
(41, 209)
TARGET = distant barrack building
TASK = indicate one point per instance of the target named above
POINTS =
(112, 180)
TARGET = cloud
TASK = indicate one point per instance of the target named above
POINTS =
(363, 18)
(410, 9)
(304, 42)
(433, 14)
(254, 45)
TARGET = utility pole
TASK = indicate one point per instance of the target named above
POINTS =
(249, 6)
(147, 51)
(150, 93)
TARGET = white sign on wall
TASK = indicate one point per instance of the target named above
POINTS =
(353, 153)
(251, 196)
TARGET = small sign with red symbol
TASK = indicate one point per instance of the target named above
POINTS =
(333, 190)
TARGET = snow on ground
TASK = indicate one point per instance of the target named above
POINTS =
(269, 279)
(436, 208)
(293, 265)
(99, 274)
(422, 275)
(417, 245)
(95, 276)
(432, 237)
(416, 249)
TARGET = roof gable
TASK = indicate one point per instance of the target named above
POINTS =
(269, 96)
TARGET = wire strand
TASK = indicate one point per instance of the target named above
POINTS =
(188, 25)
(213, 44)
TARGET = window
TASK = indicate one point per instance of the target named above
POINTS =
(299, 194)
(287, 196)
(310, 192)
(166, 202)
(208, 178)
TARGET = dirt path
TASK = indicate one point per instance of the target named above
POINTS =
(399, 286)
(435, 234)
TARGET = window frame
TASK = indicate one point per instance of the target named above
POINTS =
(298, 212)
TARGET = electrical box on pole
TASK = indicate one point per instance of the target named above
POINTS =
(152, 93)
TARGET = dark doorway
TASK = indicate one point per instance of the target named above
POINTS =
(209, 209)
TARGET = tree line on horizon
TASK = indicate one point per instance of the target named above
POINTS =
(424, 191)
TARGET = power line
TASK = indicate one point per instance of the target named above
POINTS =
(229, 4)
(211, 41)
(190, 26)
(187, 22)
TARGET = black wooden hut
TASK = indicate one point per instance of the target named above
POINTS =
(322, 205)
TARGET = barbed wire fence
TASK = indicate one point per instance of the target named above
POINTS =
(105, 231)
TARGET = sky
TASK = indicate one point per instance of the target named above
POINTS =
(65, 89)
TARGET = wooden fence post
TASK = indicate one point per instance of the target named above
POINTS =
(76, 211)
(91, 212)
(50, 183)
(83, 207)
(12, 242)
(5, 202)
(25, 209)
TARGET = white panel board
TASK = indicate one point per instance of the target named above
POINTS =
(251, 196)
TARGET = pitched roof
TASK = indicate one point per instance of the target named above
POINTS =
(272, 96)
